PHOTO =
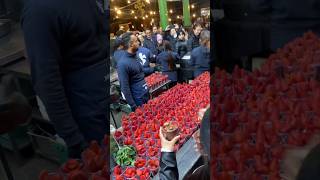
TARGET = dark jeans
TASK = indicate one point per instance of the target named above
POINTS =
(144, 99)
(87, 97)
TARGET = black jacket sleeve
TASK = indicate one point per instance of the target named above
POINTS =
(168, 166)
(42, 33)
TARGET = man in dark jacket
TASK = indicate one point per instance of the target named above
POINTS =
(131, 75)
(173, 37)
(289, 19)
(181, 45)
(149, 43)
(154, 33)
(193, 40)
(67, 50)
(200, 56)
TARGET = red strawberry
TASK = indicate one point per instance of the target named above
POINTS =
(277, 152)
(260, 166)
(117, 170)
(274, 166)
(229, 164)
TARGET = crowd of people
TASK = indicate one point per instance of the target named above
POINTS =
(136, 55)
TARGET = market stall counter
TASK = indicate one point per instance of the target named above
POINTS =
(138, 140)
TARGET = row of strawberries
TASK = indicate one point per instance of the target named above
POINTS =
(141, 128)
(258, 115)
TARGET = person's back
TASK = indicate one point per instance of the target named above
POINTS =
(200, 60)
(289, 19)
(79, 47)
(181, 47)
(144, 55)
(117, 55)
(67, 50)
(164, 60)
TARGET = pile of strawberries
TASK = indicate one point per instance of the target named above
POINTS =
(93, 165)
(257, 116)
(156, 79)
(141, 128)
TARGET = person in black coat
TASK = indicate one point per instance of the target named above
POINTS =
(167, 60)
(154, 33)
(168, 163)
(200, 56)
(159, 46)
(173, 37)
(149, 43)
(68, 53)
(181, 45)
(289, 19)
(193, 40)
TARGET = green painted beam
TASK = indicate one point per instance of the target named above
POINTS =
(186, 13)
(163, 13)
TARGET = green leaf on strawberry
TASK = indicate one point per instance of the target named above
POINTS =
(125, 156)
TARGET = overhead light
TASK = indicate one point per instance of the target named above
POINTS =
(194, 15)
(170, 11)
(129, 1)
(148, 1)
(192, 6)
(147, 16)
(132, 11)
(143, 18)
(170, 19)
(117, 16)
(178, 17)
(136, 17)
(118, 12)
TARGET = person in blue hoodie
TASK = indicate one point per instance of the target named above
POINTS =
(145, 57)
(167, 60)
(200, 56)
(130, 73)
